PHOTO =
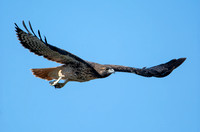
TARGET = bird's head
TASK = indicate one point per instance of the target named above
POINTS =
(106, 71)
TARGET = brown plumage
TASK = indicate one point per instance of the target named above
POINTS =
(77, 69)
(44, 73)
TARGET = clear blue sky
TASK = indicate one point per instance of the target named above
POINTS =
(134, 33)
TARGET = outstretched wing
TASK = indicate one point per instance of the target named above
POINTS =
(161, 70)
(42, 48)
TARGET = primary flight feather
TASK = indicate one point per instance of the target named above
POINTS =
(76, 69)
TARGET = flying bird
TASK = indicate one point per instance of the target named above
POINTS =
(76, 69)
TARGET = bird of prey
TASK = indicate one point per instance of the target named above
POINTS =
(76, 69)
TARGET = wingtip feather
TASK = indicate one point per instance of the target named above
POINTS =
(16, 26)
(32, 29)
(25, 26)
(179, 62)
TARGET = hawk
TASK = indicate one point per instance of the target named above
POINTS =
(76, 69)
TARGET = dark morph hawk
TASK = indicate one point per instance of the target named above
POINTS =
(77, 69)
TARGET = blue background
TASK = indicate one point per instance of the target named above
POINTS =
(129, 32)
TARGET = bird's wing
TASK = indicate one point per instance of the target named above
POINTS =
(42, 48)
(161, 70)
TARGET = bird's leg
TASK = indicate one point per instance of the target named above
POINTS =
(53, 83)
(60, 85)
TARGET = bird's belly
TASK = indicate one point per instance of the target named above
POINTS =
(77, 77)
(76, 74)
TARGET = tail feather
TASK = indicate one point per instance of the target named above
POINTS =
(43, 73)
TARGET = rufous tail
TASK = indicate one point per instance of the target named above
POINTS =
(43, 73)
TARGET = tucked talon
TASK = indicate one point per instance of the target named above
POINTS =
(59, 85)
